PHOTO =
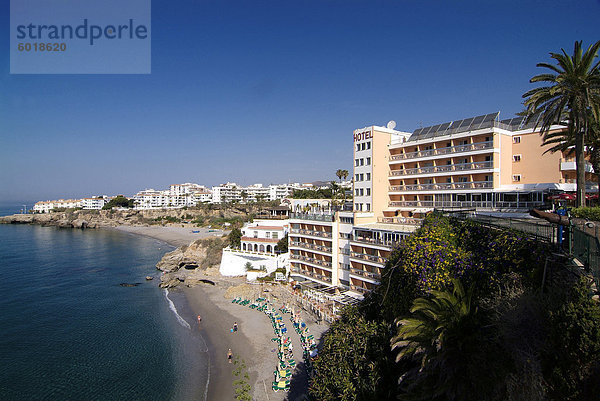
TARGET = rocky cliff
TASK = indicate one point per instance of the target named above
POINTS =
(112, 218)
(180, 265)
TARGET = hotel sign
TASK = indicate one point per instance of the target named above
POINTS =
(362, 136)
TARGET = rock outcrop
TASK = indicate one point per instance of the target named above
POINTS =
(179, 266)
(113, 218)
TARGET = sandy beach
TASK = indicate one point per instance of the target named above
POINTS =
(173, 235)
(252, 342)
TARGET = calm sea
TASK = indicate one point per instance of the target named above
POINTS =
(69, 331)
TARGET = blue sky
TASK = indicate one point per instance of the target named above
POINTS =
(270, 91)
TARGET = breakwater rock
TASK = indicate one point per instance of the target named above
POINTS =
(181, 265)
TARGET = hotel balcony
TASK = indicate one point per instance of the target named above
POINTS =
(570, 165)
(366, 274)
(449, 168)
(409, 221)
(359, 289)
(314, 247)
(374, 241)
(371, 258)
(313, 216)
(444, 204)
(445, 186)
(316, 276)
(308, 259)
(314, 233)
(443, 151)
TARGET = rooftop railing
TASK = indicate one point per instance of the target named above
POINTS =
(444, 151)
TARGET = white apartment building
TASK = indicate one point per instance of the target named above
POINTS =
(177, 196)
(94, 203)
(151, 199)
(48, 206)
(226, 193)
(263, 235)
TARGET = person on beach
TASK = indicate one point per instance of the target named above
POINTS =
(199, 319)
(229, 355)
(235, 327)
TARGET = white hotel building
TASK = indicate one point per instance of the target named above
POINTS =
(480, 162)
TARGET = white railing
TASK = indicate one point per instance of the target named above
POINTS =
(485, 165)
(445, 186)
(444, 151)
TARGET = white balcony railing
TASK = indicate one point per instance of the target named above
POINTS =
(486, 165)
(444, 151)
(445, 186)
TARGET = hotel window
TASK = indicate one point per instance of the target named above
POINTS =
(362, 176)
(368, 191)
(364, 146)
(362, 162)
(357, 177)
(275, 235)
(267, 235)
(357, 207)
(368, 176)
(463, 179)
(356, 162)
(368, 161)
(358, 147)
(516, 158)
(488, 158)
(255, 234)
(448, 180)
(516, 177)
(356, 192)
(516, 139)
(368, 207)
(361, 192)
(368, 145)
(489, 178)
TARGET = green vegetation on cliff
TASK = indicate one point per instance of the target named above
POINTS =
(459, 315)
(118, 201)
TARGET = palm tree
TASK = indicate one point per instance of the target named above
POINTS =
(436, 339)
(342, 174)
(573, 87)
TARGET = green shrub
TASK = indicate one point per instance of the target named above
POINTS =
(573, 346)
(588, 213)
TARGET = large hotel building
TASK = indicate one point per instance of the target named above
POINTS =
(480, 163)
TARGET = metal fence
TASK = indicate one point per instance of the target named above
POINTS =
(583, 246)
(536, 229)
(586, 250)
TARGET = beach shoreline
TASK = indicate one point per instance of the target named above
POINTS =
(173, 235)
(252, 342)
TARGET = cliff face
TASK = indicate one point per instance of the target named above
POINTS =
(180, 265)
(112, 218)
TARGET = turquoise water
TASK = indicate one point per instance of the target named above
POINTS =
(69, 331)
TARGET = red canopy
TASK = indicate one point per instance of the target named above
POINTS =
(563, 196)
